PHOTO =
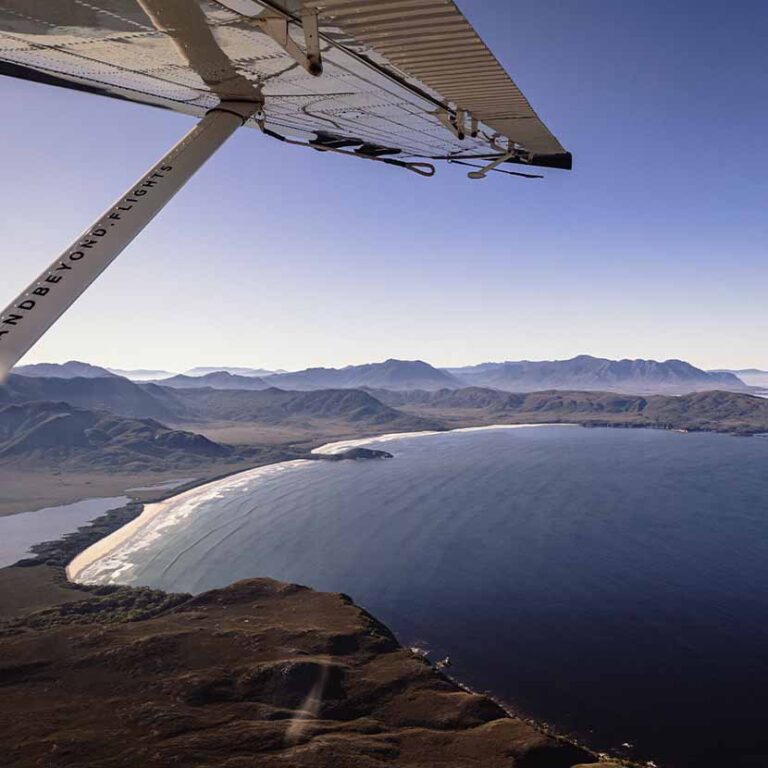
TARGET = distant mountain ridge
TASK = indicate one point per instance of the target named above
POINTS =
(71, 370)
(276, 406)
(216, 380)
(235, 371)
(120, 396)
(37, 427)
(714, 410)
(142, 374)
(391, 374)
(753, 377)
(585, 372)
(738, 371)
(192, 406)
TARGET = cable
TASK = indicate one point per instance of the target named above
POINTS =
(423, 169)
(499, 170)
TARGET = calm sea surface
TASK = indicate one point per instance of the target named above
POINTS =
(612, 582)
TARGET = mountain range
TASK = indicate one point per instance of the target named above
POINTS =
(215, 380)
(111, 423)
(58, 433)
(195, 407)
(583, 372)
(353, 407)
(71, 370)
(391, 374)
(110, 393)
(112, 429)
(716, 410)
(236, 371)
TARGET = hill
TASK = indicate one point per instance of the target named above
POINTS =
(593, 373)
(115, 394)
(216, 380)
(357, 411)
(71, 370)
(195, 407)
(258, 673)
(717, 410)
(59, 434)
(391, 374)
(277, 406)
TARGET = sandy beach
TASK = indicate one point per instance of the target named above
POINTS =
(166, 513)
(158, 516)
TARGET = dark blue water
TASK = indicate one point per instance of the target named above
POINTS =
(612, 582)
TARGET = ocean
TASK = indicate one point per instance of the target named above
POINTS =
(610, 582)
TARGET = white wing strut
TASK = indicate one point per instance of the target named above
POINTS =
(33, 312)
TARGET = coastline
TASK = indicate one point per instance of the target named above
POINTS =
(190, 498)
(28, 490)
(330, 449)
(259, 670)
(186, 501)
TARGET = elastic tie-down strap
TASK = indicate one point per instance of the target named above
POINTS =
(423, 169)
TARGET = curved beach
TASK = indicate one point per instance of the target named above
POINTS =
(504, 549)
(157, 517)
(164, 514)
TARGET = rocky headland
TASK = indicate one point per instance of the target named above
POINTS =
(258, 673)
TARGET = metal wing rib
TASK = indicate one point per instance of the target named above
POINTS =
(431, 42)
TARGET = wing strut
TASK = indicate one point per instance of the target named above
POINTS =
(37, 308)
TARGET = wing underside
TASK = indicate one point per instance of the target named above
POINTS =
(406, 78)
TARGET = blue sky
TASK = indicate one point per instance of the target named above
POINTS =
(654, 246)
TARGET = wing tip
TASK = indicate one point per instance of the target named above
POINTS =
(561, 160)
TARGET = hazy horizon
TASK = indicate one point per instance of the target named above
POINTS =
(276, 369)
(653, 247)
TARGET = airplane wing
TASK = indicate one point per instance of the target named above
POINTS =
(400, 78)
(400, 82)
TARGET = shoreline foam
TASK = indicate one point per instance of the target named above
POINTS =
(185, 504)
(82, 568)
